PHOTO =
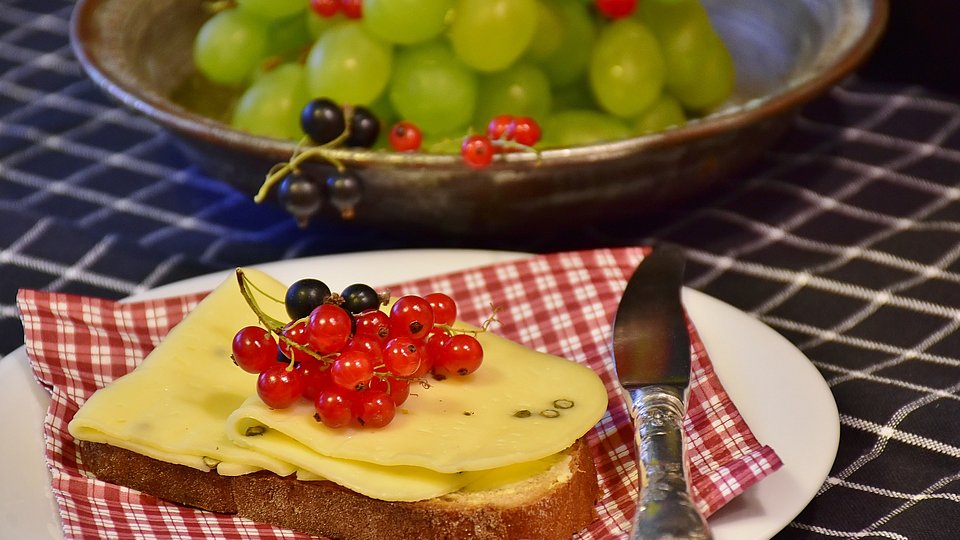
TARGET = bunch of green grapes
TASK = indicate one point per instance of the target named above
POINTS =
(587, 70)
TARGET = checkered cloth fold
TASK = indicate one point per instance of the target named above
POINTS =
(560, 303)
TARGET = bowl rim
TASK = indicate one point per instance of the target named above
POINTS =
(183, 121)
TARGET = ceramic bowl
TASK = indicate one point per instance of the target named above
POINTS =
(785, 53)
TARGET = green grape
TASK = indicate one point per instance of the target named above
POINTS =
(577, 127)
(229, 46)
(489, 35)
(699, 68)
(405, 21)
(548, 35)
(287, 37)
(520, 90)
(626, 68)
(716, 81)
(432, 88)
(318, 24)
(271, 105)
(574, 30)
(348, 66)
(574, 96)
(272, 9)
(665, 112)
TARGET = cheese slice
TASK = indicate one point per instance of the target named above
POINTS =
(173, 406)
(188, 404)
(388, 483)
(521, 405)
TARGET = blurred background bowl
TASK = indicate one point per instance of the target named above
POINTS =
(785, 53)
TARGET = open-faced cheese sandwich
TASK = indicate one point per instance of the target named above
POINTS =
(498, 454)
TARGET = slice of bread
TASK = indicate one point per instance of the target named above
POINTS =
(554, 504)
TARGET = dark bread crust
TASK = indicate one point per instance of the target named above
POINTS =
(177, 483)
(327, 509)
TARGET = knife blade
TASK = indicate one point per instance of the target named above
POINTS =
(651, 349)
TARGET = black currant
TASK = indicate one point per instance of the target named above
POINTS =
(364, 128)
(358, 298)
(322, 120)
(300, 196)
(345, 190)
(303, 296)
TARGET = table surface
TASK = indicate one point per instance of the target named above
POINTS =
(845, 238)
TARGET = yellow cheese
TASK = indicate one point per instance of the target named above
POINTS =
(388, 483)
(461, 424)
(173, 406)
(188, 404)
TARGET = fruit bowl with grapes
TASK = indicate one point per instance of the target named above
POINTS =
(472, 116)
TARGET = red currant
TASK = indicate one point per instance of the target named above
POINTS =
(527, 131)
(444, 308)
(315, 375)
(477, 151)
(461, 355)
(374, 409)
(328, 328)
(399, 389)
(352, 370)
(401, 356)
(254, 349)
(278, 386)
(616, 9)
(430, 351)
(405, 137)
(352, 8)
(501, 127)
(411, 316)
(369, 345)
(373, 323)
(334, 407)
(296, 332)
(325, 8)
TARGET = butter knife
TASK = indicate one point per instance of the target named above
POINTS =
(651, 348)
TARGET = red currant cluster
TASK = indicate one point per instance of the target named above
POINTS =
(352, 9)
(505, 133)
(352, 360)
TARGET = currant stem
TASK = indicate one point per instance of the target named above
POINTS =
(273, 325)
(269, 322)
(300, 155)
(491, 319)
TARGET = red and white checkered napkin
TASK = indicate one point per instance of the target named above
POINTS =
(560, 303)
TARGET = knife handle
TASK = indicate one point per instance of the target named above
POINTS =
(665, 510)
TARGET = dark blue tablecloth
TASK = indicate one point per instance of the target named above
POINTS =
(845, 238)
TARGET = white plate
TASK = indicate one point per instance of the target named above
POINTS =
(780, 394)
